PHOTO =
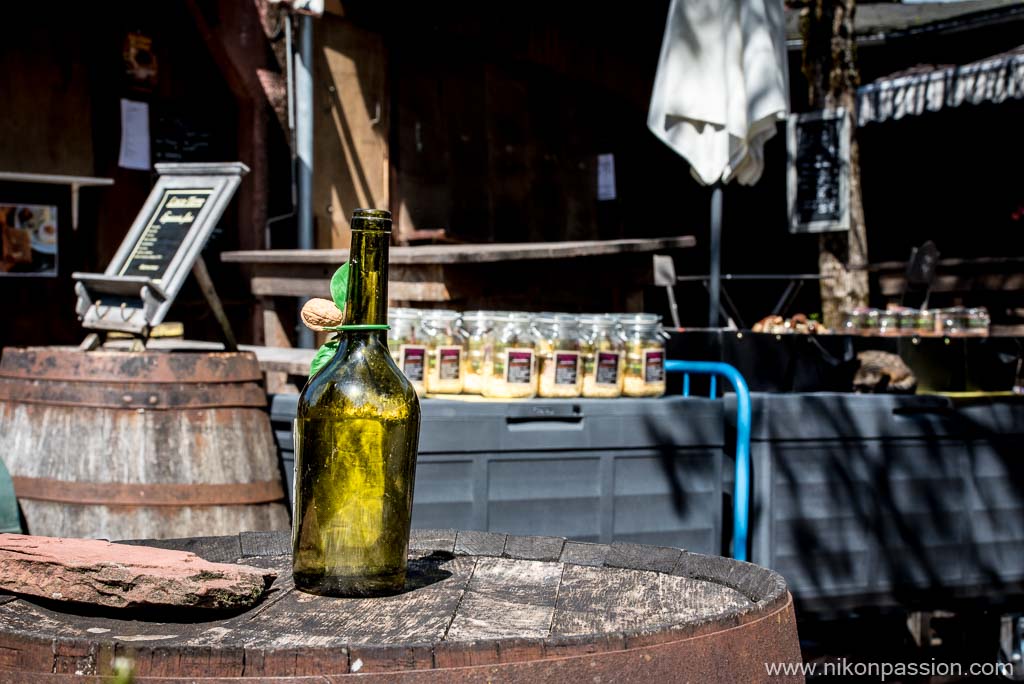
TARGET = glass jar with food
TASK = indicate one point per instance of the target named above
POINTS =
(511, 371)
(558, 356)
(953, 321)
(604, 357)
(870, 322)
(406, 346)
(906, 321)
(924, 322)
(888, 322)
(478, 334)
(853, 321)
(645, 356)
(978, 321)
(442, 334)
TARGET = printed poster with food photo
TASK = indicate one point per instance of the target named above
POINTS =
(29, 239)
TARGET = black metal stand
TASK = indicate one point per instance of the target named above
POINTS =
(715, 244)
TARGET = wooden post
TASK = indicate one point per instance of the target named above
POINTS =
(275, 335)
(830, 65)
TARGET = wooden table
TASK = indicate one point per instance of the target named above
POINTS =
(478, 607)
(604, 275)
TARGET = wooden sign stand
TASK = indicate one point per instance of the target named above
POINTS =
(163, 245)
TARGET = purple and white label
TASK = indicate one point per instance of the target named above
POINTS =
(519, 369)
(654, 365)
(606, 370)
(449, 363)
(413, 357)
(567, 367)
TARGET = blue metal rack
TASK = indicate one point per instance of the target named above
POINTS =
(741, 489)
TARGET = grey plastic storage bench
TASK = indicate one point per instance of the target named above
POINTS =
(872, 500)
(638, 470)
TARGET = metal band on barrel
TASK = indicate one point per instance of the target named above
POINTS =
(147, 494)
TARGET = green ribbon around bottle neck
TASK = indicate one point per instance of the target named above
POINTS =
(358, 327)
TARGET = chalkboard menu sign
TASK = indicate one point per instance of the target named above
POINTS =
(179, 137)
(160, 249)
(164, 234)
(818, 189)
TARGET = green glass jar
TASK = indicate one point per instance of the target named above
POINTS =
(356, 439)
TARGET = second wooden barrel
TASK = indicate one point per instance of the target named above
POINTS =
(129, 445)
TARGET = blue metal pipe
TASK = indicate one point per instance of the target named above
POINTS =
(741, 488)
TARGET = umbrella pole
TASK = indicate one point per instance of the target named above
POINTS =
(715, 244)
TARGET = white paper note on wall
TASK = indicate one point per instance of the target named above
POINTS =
(134, 152)
(605, 177)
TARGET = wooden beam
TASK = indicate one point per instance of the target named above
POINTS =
(415, 291)
(892, 286)
(475, 253)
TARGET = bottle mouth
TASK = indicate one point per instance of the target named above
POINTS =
(371, 219)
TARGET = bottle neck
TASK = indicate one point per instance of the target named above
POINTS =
(367, 301)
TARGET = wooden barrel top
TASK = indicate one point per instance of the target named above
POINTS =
(179, 379)
(492, 605)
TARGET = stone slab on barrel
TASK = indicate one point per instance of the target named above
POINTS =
(98, 573)
(123, 445)
(519, 609)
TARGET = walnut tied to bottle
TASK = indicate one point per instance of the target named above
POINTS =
(321, 314)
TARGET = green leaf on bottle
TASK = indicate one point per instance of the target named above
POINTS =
(339, 291)
(339, 286)
(323, 355)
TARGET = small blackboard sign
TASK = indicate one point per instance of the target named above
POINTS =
(160, 249)
(179, 137)
(818, 188)
(165, 233)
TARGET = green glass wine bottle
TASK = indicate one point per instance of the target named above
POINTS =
(357, 433)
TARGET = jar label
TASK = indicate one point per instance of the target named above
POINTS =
(654, 365)
(567, 367)
(607, 372)
(413, 357)
(519, 370)
(449, 362)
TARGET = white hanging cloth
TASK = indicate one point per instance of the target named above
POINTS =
(721, 86)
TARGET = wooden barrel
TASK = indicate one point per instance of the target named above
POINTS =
(124, 445)
(478, 607)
